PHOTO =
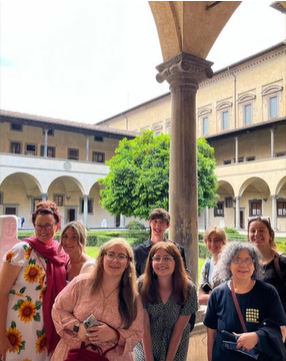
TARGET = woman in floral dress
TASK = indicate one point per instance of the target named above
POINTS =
(32, 275)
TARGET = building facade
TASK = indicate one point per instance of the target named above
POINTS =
(241, 111)
(43, 158)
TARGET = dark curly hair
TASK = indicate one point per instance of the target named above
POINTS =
(46, 207)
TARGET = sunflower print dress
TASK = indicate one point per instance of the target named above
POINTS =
(24, 322)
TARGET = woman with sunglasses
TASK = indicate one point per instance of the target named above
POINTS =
(109, 294)
(261, 309)
(169, 299)
(261, 234)
(31, 277)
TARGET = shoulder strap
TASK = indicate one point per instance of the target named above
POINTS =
(277, 266)
(237, 308)
(207, 268)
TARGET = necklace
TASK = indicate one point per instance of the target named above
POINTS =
(105, 298)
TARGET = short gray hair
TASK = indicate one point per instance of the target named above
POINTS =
(223, 273)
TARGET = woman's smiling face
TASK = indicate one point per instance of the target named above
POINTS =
(242, 266)
(70, 241)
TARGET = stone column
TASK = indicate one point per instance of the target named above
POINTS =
(207, 217)
(44, 197)
(122, 221)
(86, 147)
(46, 143)
(272, 143)
(274, 212)
(237, 212)
(184, 72)
(236, 149)
(85, 199)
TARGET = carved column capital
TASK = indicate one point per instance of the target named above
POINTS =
(184, 69)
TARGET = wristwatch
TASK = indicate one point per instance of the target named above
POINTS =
(75, 328)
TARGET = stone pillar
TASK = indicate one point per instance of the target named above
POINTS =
(207, 217)
(46, 143)
(184, 72)
(236, 149)
(44, 197)
(85, 203)
(274, 212)
(272, 143)
(86, 148)
(122, 221)
(237, 212)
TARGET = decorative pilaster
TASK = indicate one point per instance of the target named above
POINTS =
(184, 72)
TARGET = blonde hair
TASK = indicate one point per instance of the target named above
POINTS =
(80, 230)
(221, 235)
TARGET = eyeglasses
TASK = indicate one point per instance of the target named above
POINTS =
(259, 218)
(158, 259)
(120, 256)
(247, 261)
(48, 227)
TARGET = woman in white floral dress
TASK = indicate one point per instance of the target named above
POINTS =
(32, 275)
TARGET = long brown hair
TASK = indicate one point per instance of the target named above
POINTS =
(150, 287)
(267, 223)
(127, 307)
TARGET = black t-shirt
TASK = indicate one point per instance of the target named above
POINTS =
(261, 302)
(270, 276)
(141, 253)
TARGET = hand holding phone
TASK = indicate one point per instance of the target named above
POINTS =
(90, 321)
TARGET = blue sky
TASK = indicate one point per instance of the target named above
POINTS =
(89, 60)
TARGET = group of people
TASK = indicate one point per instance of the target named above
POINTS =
(142, 299)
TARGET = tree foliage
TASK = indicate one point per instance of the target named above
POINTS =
(138, 178)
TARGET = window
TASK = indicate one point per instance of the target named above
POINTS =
(224, 120)
(247, 114)
(73, 154)
(157, 129)
(30, 149)
(98, 139)
(280, 154)
(10, 210)
(239, 160)
(281, 207)
(168, 126)
(272, 94)
(255, 207)
(205, 125)
(273, 108)
(89, 206)
(51, 151)
(59, 200)
(98, 157)
(50, 132)
(15, 148)
(250, 159)
(219, 209)
(228, 202)
(16, 127)
(227, 161)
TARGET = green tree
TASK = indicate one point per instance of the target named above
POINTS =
(138, 178)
